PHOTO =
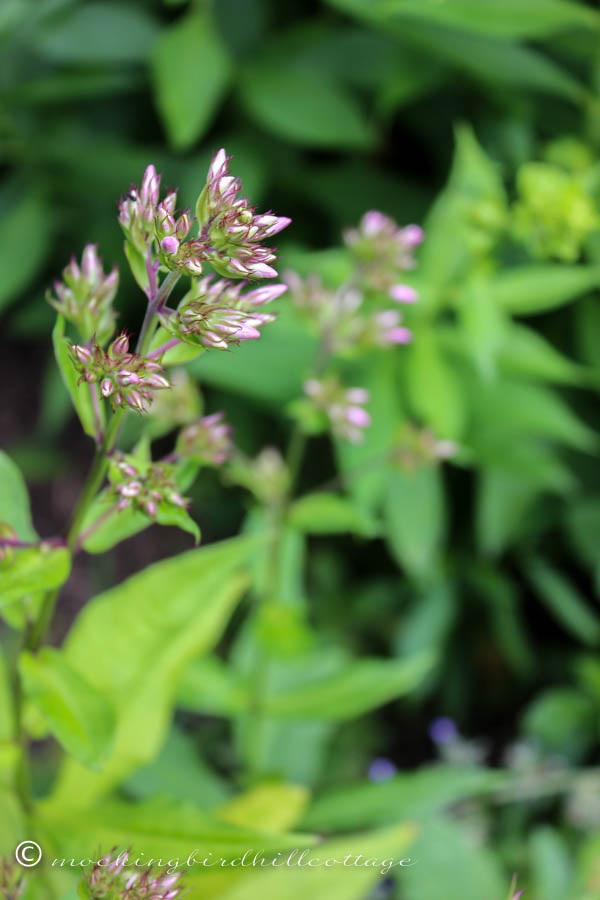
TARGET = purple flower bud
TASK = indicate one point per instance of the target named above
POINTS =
(357, 395)
(107, 387)
(413, 235)
(91, 266)
(372, 222)
(170, 245)
(358, 416)
(265, 294)
(151, 508)
(399, 336)
(131, 489)
(120, 346)
(443, 730)
(403, 293)
(124, 377)
(83, 354)
(150, 186)
(381, 769)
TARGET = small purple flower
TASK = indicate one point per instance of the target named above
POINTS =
(110, 879)
(144, 486)
(382, 769)
(443, 730)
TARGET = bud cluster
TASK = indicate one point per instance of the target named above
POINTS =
(218, 313)
(383, 250)
(109, 880)
(85, 295)
(144, 486)
(342, 316)
(125, 378)
(207, 441)
(231, 230)
(418, 446)
(266, 476)
(342, 407)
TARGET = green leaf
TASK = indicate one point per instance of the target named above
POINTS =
(323, 513)
(25, 224)
(415, 519)
(33, 569)
(285, 348)
(357, 688)
(133, 643)
(564, 602)
(551, 864)
(305, 107)
(502, 502)
(506, 408)
(415, 795)
(527, 290)
(191, 72)
(97, 32)
(176, 515)
(277, 807)
(14, 499)
(583, 528)
(333, 882)
(435, 393)
(457, 869)
(523, 351)
(159, 828)
(80, 393)
(179, 772)
(80, 718)
(502, 18)
(562, 720)
(210, 687)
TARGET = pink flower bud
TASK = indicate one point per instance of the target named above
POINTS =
(403, 293)
(107, 387)
(124, 377)
(120, 346)
(357, 395)
(151, 508)
(260, 270)
(413, 235)
(150, 186)
(91, 266)
(356, 415)
(170, 245)
(82, 354)
(399, 336)
(265, 294)
(372, 222)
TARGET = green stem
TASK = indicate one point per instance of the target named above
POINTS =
(93, 483)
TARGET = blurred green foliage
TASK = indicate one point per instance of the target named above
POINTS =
(479, 581)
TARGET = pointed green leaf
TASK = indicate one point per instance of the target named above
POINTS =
(80, 718)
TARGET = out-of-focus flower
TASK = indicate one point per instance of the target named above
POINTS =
(443, 730)
(125, 378)
(230, 230)
(113, 878)
(177, 406)
(216, 314)
(418, 446)
(207, 441)
(340, 317)
(144, 486)
(266, 475)
(403, 293)
(342, 407)
(553, 215)
(85, 295)
(12, 882)
(382, 769)
(383, 249)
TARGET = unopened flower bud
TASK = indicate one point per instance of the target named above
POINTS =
(170, 245)
(403, 293)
